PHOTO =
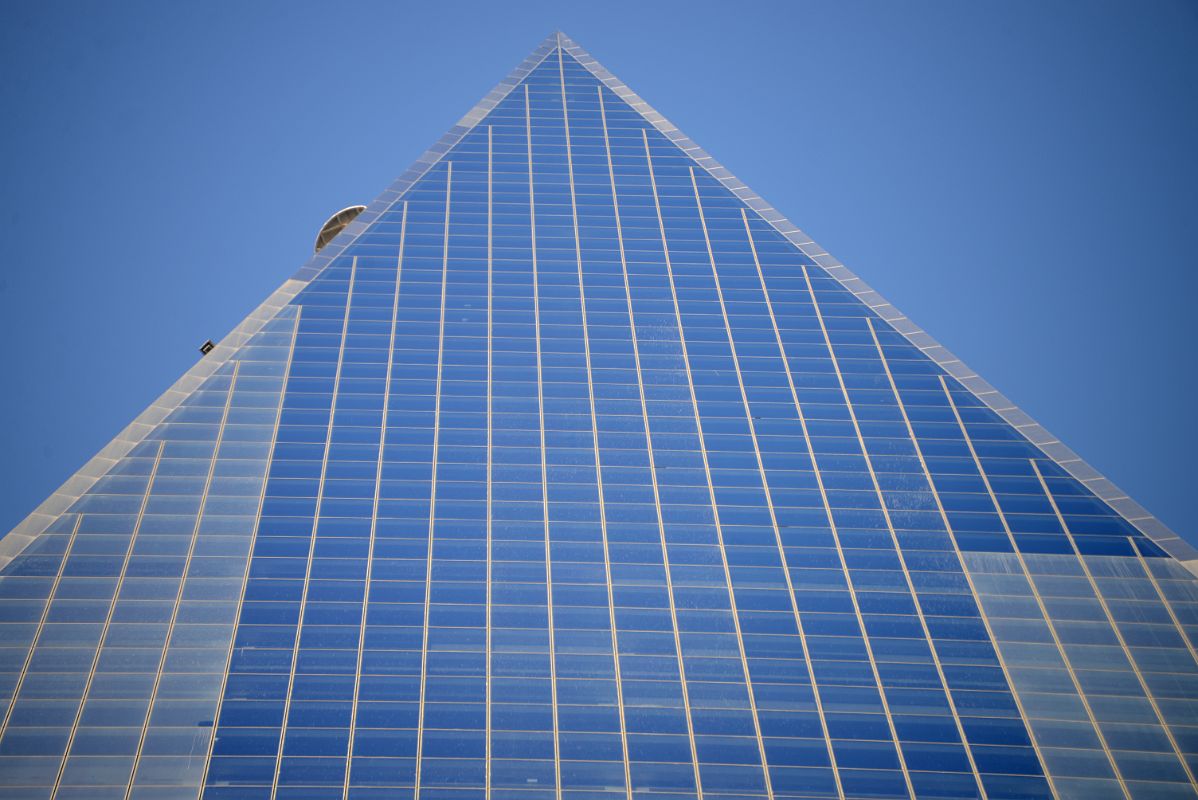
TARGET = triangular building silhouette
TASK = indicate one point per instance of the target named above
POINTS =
(570, 470)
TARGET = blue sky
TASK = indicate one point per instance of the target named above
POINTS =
(1020, 178)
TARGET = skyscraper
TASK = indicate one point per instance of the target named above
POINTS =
(570, 469)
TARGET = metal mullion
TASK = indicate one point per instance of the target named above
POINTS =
(1052, 630)
(948, 527)
(432, 506)
(374, 513)
(116, 594)
(191, 547)
(490, 447)
(873, 477)
(324, 465)
(41, 625)
(719, 529)
(536, 304)
(586, 342)
(665, 553)
(1114, 626)
(220, 700)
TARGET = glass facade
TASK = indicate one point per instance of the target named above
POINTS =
(565, 473)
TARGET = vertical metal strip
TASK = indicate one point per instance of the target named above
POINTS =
(374, 508)
(191, 548)
(715, 509)
(586, 344)
(794, 605)
(490, 442)
(432, 506)
(536, 304)
(324, 467)
(648, 436)
(640, 384)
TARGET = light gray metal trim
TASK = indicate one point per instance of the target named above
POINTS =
(1052, 447)
(78, 484)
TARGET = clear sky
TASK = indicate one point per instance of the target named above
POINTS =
(1020, 178)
